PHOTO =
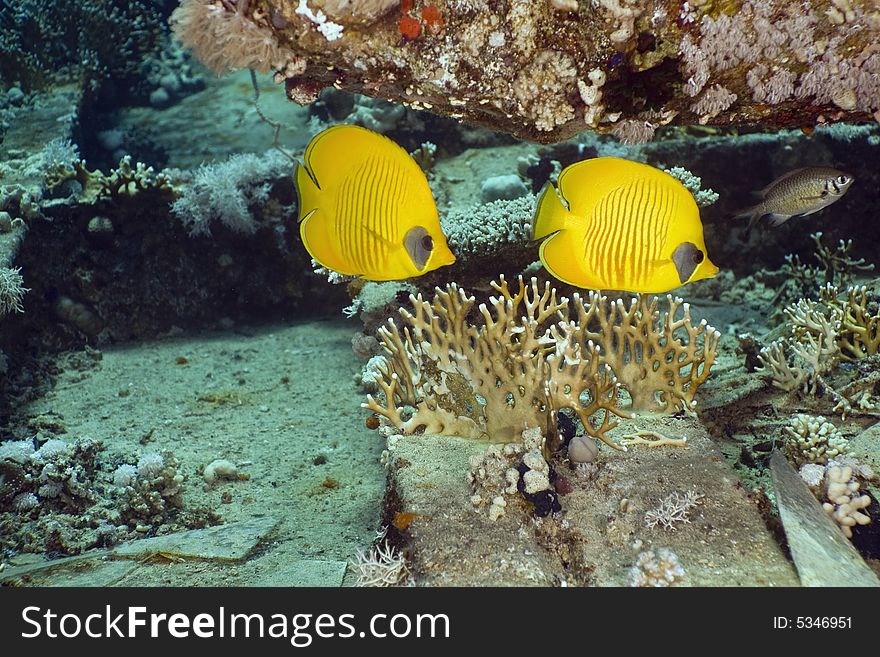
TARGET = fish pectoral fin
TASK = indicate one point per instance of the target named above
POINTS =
(535, 240)
(776, 220)
(378, 236)
(319, 243)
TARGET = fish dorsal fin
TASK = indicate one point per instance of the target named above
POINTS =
(585, 183)
(335, 150)
(784, 176)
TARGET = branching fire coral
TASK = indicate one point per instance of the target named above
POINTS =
(660, 370)
(528, 359)
(494, 380)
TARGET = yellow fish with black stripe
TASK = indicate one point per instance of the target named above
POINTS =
(614, 224)
(366, 209)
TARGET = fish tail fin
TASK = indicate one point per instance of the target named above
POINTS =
(753, 213)
(314, 223)
(550, 214)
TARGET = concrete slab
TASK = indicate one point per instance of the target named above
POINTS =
(231, 542)
(308, 572)
(600, 533)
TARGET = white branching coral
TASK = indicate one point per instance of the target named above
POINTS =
(481, 230)
(12, 290)
(694, 184)
(447, 376)
(383, 565)
(800, 361)
(844, 504)
(673, 508)
(835, 265)
(814, 440)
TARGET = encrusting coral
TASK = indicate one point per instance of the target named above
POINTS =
(528, 360)
(657, 569)
(544, 73)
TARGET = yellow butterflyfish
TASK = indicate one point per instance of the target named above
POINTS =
(614, 224)
(366, 209)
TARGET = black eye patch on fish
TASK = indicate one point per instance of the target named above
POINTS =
(418, 244)
(687, 258)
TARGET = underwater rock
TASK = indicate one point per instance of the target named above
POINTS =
(620, 66)
(506, 188)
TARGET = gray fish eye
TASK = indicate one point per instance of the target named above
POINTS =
(427, 243)
(697, 257)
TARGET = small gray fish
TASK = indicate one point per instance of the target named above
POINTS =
(797, 194)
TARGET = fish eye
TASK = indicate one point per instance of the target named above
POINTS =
(427, 243)
(842, 180)
(697, 257)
